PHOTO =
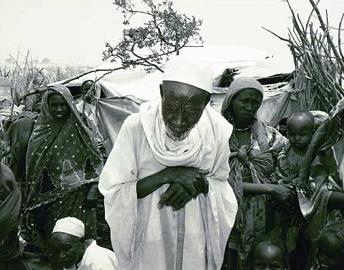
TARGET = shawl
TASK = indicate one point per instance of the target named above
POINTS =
(63, 148)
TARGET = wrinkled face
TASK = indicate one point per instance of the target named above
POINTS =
(58, 107)
(182, 107)
(268, 257)
(330, 252)
(300, 132)
(245, 105)
(68, 249)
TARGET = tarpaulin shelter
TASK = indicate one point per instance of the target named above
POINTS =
(120, 93)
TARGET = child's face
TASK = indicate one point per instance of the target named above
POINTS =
(299, 134)
(268, 257)
(330, 253)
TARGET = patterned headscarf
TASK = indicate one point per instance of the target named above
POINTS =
(63, 148)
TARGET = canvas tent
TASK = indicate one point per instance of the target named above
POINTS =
(121, 92)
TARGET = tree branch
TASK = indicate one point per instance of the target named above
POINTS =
(281, 38)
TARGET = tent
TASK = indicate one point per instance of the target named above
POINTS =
(120, 93)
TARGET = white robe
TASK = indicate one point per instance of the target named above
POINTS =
(144, 237)
(97, 258)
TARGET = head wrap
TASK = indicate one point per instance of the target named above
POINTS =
(70, 225)
(189, 71)
(236, 86)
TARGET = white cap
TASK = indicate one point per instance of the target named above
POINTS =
(190, 71)
(70, 225)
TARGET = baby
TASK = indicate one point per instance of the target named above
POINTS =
(300, 129)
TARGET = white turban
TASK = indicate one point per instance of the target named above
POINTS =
(70, 225)
(189, 71)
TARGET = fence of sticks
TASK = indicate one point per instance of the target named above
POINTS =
(319, 62)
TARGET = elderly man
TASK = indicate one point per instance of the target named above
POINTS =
(73, 253)
(167, 199)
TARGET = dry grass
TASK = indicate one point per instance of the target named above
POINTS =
(24, 75)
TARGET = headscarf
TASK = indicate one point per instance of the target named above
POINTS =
(63, 148)
(237, 86)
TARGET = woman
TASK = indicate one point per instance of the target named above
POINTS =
(253, 151)
(63, 165)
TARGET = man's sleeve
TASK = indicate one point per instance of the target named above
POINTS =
(118, 185)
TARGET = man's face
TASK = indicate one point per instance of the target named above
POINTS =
(300, 132)
(69, 249)
(58, 107)
(182, 107)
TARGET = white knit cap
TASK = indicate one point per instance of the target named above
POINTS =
(70, 225)
(190, 71)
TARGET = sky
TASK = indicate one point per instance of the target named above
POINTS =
(75, 31)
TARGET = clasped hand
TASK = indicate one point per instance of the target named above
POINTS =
(185, 183)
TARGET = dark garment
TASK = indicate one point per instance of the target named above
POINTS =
(62, 163)
(19, 134)
(10, 254)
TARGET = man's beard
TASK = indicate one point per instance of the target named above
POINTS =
(177, 137)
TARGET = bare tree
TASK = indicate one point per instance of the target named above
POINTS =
(164, 33)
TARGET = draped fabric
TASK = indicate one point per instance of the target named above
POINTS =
(252, 218)
(63, 149)
(62, 162)
(9, 209)
(145, 237)
(10, 247)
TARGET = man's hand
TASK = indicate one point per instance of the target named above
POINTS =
(175, 196)
(190, 178)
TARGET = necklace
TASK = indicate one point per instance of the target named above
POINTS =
(243, 129)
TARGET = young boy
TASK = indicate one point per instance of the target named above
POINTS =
(308, 213)
(300, 129)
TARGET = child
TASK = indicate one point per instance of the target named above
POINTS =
(268, 255)
(330, 251)
(308, 214)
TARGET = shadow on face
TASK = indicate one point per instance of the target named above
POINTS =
(182, 107)
(68, 249)
(267, 256)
